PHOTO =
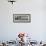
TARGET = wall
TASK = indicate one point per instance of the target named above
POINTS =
(37, 27)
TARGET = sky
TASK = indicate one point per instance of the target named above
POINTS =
(37, 28)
